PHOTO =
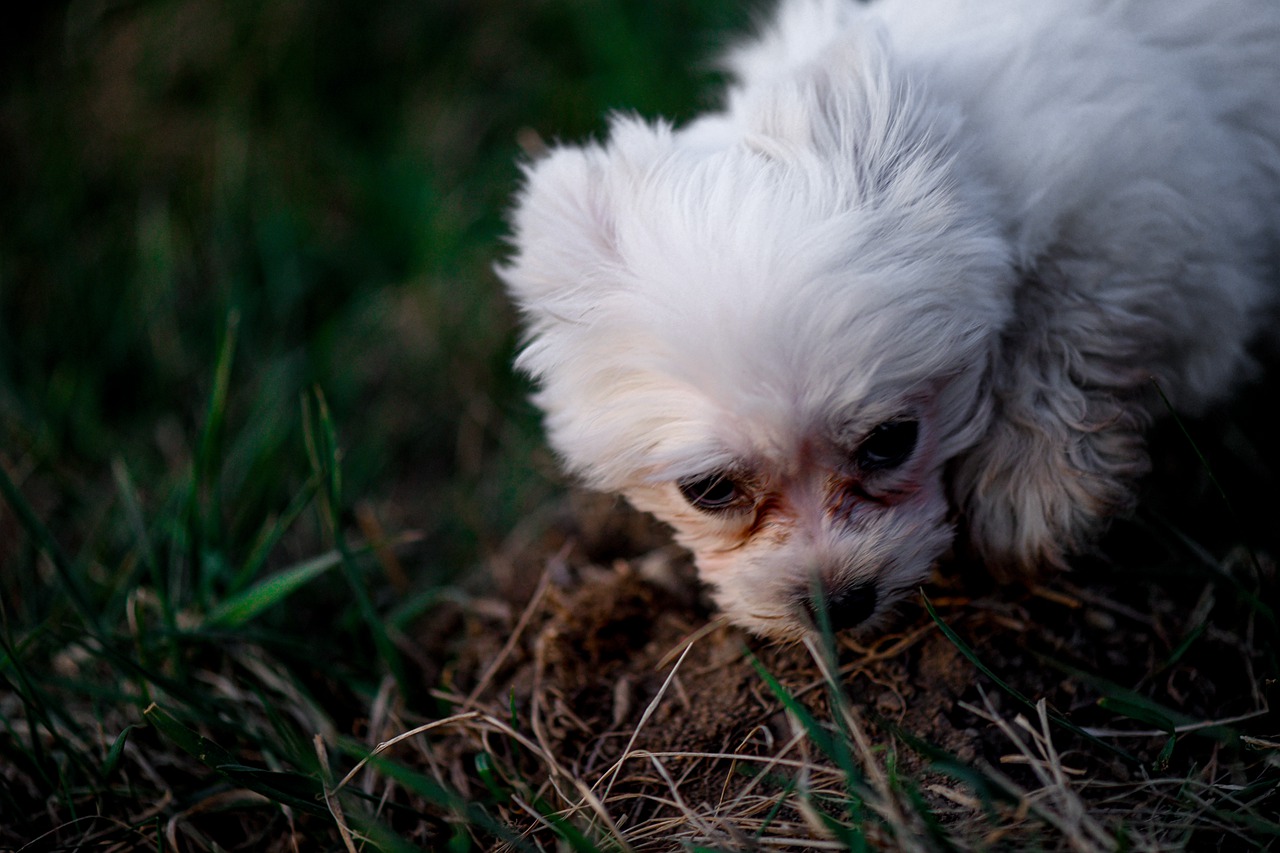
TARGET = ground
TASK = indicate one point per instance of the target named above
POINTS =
(608, 658)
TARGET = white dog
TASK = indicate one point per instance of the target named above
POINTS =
(929, 264)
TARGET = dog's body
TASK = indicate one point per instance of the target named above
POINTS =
(926, 262)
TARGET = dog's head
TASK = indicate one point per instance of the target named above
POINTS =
(772, 330)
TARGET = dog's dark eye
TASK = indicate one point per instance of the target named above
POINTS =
(888, 445)
(711, 492)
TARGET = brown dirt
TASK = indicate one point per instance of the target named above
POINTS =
(600, 623)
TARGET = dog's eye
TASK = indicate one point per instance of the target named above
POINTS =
(888, 445)
(711, 492)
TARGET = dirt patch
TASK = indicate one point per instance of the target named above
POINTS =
(619, 673)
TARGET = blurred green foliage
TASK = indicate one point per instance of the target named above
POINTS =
(334, 172)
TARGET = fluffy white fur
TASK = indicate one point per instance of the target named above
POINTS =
(1005, 221)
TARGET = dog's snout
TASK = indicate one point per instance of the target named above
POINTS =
(847, 607)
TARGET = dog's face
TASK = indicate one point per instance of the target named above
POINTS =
(846, 514)
(775, 345)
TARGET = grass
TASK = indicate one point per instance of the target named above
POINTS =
(270, 496)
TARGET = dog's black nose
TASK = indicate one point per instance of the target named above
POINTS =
(847, 607)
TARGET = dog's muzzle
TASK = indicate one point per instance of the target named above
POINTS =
(848, 607)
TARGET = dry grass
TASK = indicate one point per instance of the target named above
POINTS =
(691, 737)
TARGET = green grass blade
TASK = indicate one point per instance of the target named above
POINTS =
(433, 792)
(935, 829)
(271, 534)
(216, 413)
(133, 515)
(832, 747)
(1184, 645)
(321, 439)
(204, 510)
(327, 457)
(287, 789)
(202, 749)
(484, 768)
(112, 760)
(778, 805)
(835, 747)
(1143, 712)
(987, 789)
(1129, 703)
(240, 608)
(142, 540)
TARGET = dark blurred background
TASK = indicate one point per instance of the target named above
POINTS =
(334, 176)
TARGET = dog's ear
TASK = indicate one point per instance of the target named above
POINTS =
(563, 227)
(570, 276)
(1065, 446)
(564, 222)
